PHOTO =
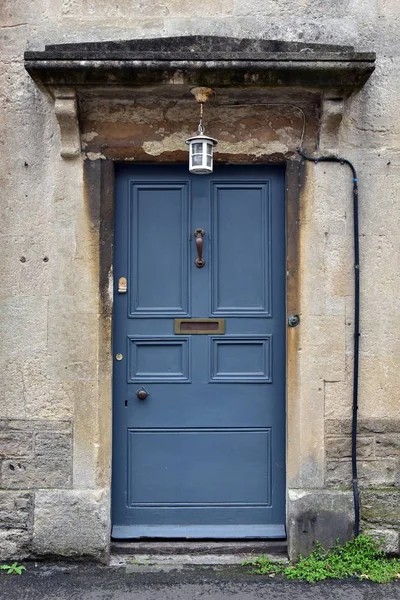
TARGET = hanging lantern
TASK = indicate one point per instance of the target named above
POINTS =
(201, 153)
(201, 146)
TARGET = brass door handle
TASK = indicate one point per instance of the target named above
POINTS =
(198, 235)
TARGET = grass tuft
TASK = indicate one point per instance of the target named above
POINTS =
(361, 557)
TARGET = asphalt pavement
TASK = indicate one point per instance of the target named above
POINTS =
(59, 581)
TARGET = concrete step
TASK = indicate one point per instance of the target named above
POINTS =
(199, 548)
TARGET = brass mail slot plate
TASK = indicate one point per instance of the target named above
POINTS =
(199, 326)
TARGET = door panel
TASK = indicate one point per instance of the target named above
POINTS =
(240, 251)
(158, 250)
(203, 454)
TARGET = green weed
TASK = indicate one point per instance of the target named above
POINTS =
(361, 557)
(14, 569)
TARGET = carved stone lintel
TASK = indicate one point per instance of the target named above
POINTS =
(331, 119)
(66, 111)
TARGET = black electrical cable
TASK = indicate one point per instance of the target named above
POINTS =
(356, 495)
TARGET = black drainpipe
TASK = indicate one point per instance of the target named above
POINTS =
(344, 161)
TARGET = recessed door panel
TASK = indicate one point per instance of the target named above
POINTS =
(158, 248)
(165, 469)
(161, 359)
(245, 359)
(240, 248)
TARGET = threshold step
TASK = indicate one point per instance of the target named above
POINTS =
(198, 548)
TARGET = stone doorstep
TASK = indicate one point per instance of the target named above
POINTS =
(139, 563)
(165, 555)
(196, 548)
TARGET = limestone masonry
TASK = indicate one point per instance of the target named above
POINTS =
(57, 145)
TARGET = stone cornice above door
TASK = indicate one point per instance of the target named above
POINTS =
(173, 65)
(202, 60)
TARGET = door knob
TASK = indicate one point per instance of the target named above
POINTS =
(142, 394)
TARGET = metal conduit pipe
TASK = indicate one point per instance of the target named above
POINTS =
(344, 161)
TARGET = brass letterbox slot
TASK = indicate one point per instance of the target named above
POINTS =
(199, 326)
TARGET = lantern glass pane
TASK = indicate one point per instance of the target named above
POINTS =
(197, 148)
(196, 160)
(209, 161)
(209, 149)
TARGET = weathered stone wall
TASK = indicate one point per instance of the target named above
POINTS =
(378, 450)
(54, 364)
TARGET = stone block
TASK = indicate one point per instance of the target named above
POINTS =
(313, 294)
(15, 444)
(23, 325)
(338, 278)
(12, 389)
(16, 510)
(285, 8)
(340, 447)
(319, 8)
(13, 42)
(35, 272)
(338, 473)
(329, 30)
(53, 446)
(373, 178)
(14, 13)
(36, 473)
(306, 466)
(46, 397)
(36, 425)
(365, 426)
(335, 305)
(91, 10)
(215, 25)
(318, 516)
(388, 538)
(381, 506)
(379, 381)
(388, 445)
(384, 426)
(338, 400)
(86, 295)
(14, 544)
(73, 341)
(71, 523)
(86, 441)
(11, 268)
(322, 347)
(372, 473)
(177, 8)
(62, 263)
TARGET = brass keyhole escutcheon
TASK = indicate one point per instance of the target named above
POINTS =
(119, 356)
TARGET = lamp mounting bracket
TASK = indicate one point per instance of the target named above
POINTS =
(202, 94)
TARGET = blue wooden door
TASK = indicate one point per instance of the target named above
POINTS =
(199, 418)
